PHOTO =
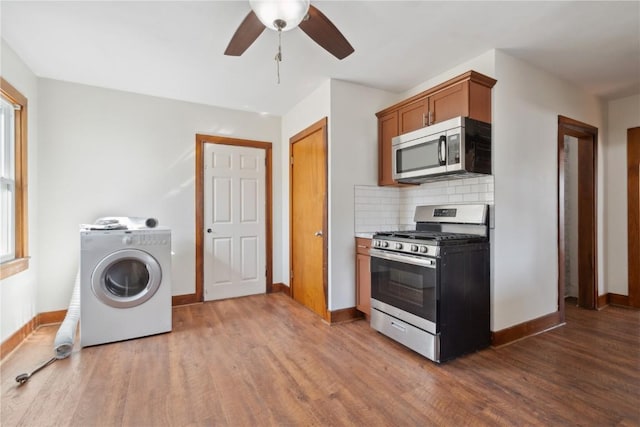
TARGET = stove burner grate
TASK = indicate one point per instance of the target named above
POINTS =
(428, 235)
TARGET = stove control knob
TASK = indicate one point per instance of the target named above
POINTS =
(385, 244)
(414, 248)
(398, 245)
(424, 249)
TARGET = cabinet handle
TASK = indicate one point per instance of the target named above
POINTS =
(424, 120)
(429, 117)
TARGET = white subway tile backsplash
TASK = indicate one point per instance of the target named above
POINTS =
(390, 208)
(470, 181)
(479, 188)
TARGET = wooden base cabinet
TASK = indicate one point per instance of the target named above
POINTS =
(363, 276)
(467, 95)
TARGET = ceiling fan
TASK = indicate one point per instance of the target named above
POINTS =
(285, 15)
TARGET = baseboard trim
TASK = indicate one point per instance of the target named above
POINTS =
(344, 315)
(50, 317)
(617, 299)
(526, 329)
(603, 301)
(280, 287)
(184, 299)
(14, 340)
(46, 318)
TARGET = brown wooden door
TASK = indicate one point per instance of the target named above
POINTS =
(387, 129)
(309, 217)
(587, 292)
(633, 214)
(413, 116)
(449, 103)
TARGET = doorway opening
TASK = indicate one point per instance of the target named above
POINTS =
(577, 210)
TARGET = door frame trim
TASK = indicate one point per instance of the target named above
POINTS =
(202, 139)
(633, 226)
(567, 126)
(322, 125)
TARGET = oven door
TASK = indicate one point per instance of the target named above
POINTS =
(407, 283)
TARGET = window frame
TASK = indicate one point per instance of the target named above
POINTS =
(21, 260)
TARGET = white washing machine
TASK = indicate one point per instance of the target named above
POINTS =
(125, 284)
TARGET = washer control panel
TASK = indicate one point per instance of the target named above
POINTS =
(142, 238)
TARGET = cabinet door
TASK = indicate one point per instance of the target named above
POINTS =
(387, 129)
(363, 283)
(413, 116)
(449, 103)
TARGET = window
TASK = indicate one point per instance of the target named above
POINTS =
(13, 181)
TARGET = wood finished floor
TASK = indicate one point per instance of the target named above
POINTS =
(265, 360)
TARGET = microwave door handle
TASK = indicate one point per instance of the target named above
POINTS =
(442, 150)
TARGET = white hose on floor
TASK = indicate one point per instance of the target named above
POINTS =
(63, 344)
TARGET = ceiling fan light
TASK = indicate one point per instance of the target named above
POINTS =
(290, 11)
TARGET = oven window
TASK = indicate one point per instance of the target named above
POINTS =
(408, 287)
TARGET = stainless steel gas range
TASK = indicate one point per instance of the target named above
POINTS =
(430, 287)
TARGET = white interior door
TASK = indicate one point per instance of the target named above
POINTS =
(234, 221)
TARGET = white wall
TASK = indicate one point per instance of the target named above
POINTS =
(112, 153)
(623, 114)
(308, 111)
(484, 63)
(526, 105)
(354, 160)
(18, 292)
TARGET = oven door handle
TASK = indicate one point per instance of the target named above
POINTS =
(422, 262)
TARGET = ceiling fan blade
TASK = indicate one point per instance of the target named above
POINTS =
(245, 35)
(322, 31)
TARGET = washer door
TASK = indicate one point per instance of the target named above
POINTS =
(126, 278)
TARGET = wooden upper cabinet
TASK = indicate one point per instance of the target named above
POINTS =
(467, 95)
(387, 129)
(449, 103)
(413, 116)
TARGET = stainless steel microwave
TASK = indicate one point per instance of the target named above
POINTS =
(459, 147)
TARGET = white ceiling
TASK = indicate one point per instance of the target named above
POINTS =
(174, 49)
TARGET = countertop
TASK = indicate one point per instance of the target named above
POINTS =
(365, 235)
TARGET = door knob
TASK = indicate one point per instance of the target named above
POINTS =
(318, 233)
(209, 230)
